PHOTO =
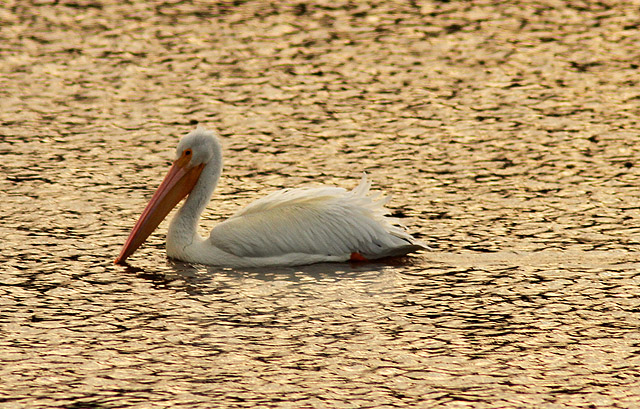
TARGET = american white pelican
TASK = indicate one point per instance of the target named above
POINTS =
(287, 227)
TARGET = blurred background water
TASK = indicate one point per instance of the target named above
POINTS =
(506, 134)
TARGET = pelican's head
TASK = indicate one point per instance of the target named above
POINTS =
(199, 145)
(193, 153)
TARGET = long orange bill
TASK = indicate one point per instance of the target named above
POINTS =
(176, 186)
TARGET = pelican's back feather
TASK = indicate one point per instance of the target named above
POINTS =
(324, 220)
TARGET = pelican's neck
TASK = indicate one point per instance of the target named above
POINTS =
(183, 230)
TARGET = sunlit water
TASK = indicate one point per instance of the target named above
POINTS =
(509, 148)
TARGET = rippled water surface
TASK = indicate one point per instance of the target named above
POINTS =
(506, 134)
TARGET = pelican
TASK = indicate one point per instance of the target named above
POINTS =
(286, 228)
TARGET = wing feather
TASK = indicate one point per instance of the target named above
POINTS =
(325, 220)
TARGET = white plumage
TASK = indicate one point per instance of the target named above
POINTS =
(287, 227)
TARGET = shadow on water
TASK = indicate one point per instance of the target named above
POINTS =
(178, 274)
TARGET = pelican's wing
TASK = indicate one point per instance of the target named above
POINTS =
(324, 220)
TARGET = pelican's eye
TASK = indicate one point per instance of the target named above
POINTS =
(187, 152)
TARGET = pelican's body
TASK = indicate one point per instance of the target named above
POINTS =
(288, 227)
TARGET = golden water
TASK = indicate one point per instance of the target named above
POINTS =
(507, 135)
